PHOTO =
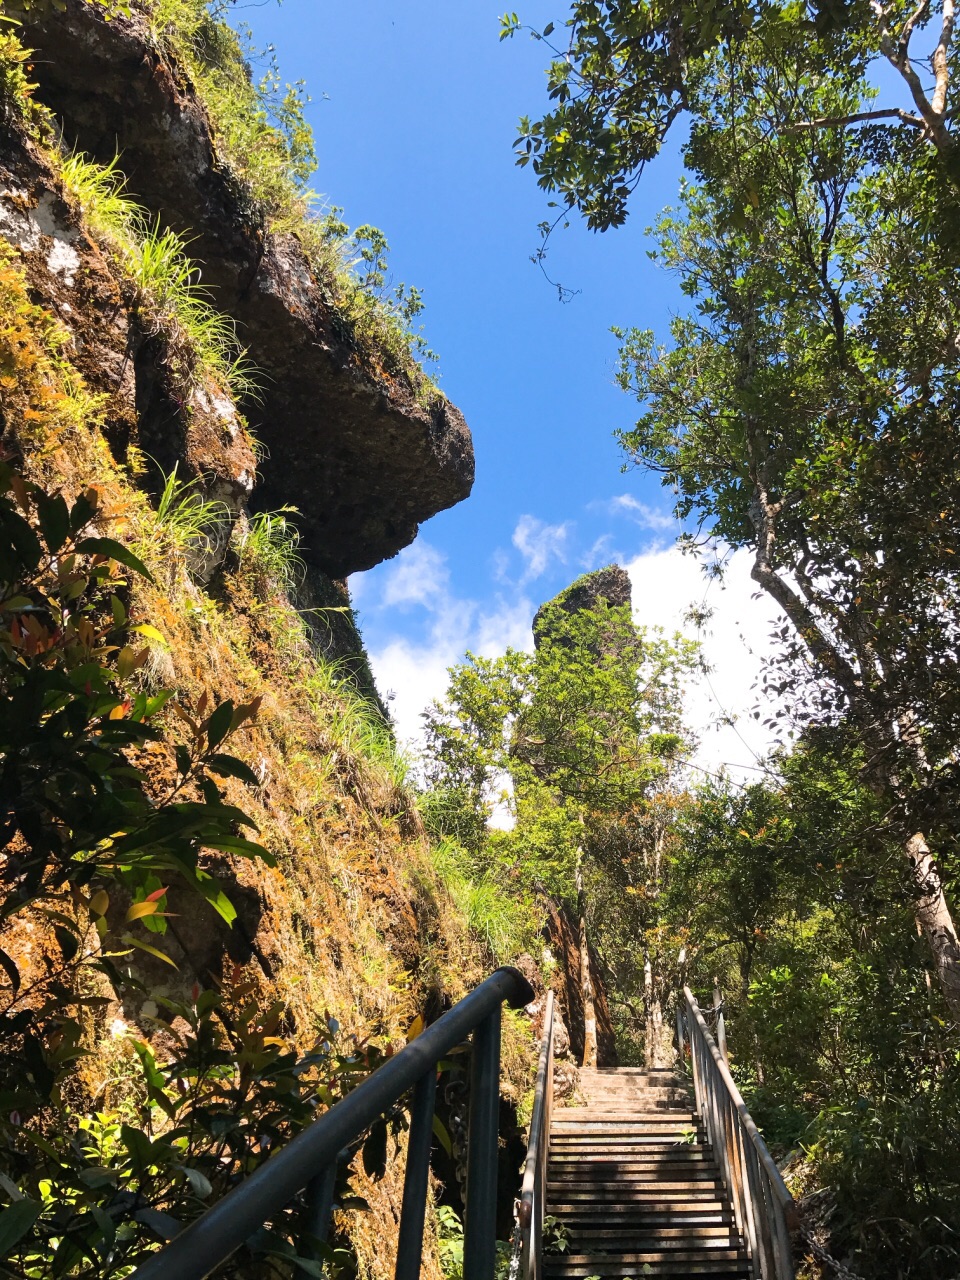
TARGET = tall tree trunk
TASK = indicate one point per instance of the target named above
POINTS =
(586, 977)
(934, 918)
(879, 737)
(655, 1050)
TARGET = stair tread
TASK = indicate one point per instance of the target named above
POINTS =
(636, 1186)
(659, 1255)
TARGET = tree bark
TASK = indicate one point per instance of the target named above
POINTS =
(586, 978)
(655, 1050)
(934, 918)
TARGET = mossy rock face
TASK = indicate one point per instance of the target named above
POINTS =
(355, 447)
(604, 588)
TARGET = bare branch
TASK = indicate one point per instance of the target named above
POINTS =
(857, 117)
(919, 15)
(939, 60)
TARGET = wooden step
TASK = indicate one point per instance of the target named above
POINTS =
(646, 1237)
(639, 1178)
(621, 1193)
(631, 1264)
(694, 1212)
(635, 1187)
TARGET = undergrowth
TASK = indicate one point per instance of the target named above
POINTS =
(351, 919)
(263, 138)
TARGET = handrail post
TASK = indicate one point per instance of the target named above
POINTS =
(316, 1216)
(721, 1024)
(679, 1037)
(416, 1177)
(534, 1187)
(480, 1226)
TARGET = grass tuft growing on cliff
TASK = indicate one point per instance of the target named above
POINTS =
(263, 138)
(200, 341)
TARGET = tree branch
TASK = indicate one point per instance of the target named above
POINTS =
(857, 117)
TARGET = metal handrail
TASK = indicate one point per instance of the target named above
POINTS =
(763, 1207)
(309, 1160)
(533, 1192)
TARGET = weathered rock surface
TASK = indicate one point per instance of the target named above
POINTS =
(75, 283)
(353, 449)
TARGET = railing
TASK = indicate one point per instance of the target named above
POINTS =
(763, 1207)
(308, 1163)
(533, 1192)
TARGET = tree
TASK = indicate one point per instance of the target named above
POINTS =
(626, 72)
(792, 894)
(587, 730)
(806, 409)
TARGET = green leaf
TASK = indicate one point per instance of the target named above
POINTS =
(231, 767)
(151, 633)
(199, 1183)
(218, 726)
(161, 1224)
(54, 517)
(131, 941)
(210, 889)
(68, 940)
(245, 848)
(82, 513)
(114, 550)
(118, 611)
(137, 1144)
(442, 1136)
(10, 969)
(16, 1221)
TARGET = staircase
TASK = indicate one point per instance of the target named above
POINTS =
(633, 1185)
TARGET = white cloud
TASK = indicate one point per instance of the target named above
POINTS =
(413, 674)
(411, 658)
(640, 513)
(735, 640)
(419, 575)
(539, 543)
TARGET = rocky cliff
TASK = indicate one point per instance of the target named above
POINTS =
(135, 264)
(363, 453)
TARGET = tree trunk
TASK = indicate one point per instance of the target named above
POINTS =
(655, 1050)
(586, 979)
(934, 918)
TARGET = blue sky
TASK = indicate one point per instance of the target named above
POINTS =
(414, 112)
